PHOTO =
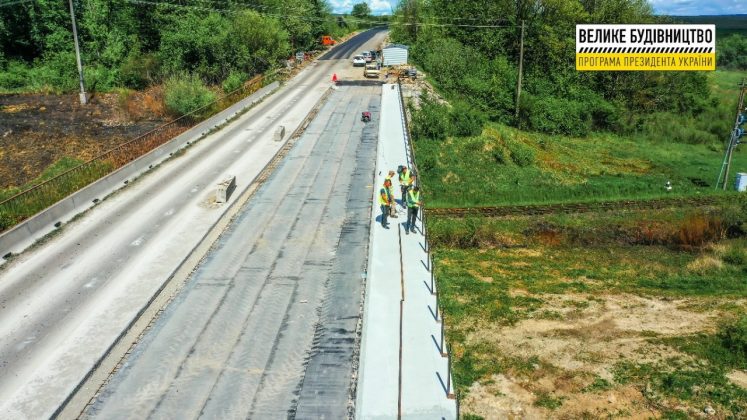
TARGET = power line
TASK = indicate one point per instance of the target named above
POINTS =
(310, 18)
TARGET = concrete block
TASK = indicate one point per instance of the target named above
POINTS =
(279, 133)
(225, 188)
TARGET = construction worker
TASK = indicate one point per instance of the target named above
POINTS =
(405, 182)
(392, 206)
(413, 205)
(385, 201)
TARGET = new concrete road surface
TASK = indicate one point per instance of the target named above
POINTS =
(66, 304)
(402, 373)
(266, 327)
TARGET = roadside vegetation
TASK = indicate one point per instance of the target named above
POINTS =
(133, 45)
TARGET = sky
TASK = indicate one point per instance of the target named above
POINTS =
(662, 7)
(699, 7)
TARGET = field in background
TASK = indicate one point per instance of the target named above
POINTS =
(725, 25)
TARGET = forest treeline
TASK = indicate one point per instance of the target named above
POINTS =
(474, 62)
(132, 43)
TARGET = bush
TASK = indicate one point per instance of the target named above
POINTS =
(186, 93)
(731, 52)
(553, 115)
(698, 230)
(41, 76)
(431, 121)
(6, 221)
(57, 71)
(735, 255)
(466, 121)
(233, 81)
(139, 70)
(100, 78)
(734, 337)
(16, 76)
(521, 154)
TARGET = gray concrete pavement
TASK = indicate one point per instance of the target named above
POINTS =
(64, 304)
(244, 338)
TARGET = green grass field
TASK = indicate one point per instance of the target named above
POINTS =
(506, 166)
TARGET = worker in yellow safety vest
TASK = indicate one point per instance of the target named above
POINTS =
(406, 181)
(413, 205)
(392, 207)
(385, 201)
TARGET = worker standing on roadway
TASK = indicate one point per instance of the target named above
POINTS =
(392, 206)
(405, 182)
(385, 201)
(413, 205)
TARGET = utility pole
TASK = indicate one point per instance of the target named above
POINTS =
(83, 96)
(521, 67)
(733, 139)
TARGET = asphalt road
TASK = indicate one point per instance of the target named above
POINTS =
(64, 304)
(267, 326)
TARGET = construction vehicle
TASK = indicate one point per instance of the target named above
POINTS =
(327, 40)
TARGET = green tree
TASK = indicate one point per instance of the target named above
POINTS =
(472, 54)
(256, 43)
(361, 10)
(731, 52)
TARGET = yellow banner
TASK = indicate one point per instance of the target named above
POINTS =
(630, 61)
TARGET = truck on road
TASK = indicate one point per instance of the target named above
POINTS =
(327, 40)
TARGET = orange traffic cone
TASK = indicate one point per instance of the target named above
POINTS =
(334, 77)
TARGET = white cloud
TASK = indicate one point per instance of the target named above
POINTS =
(378, 7)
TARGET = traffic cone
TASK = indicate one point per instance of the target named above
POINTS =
(334, 77)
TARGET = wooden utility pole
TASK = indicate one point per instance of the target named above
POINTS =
(83, 96)
(734, 140)
(521, 68)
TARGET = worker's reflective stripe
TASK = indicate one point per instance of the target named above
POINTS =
(404, 177)
(413, 198)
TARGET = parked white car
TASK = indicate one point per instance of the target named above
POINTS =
(359, 60)
(367, 56)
